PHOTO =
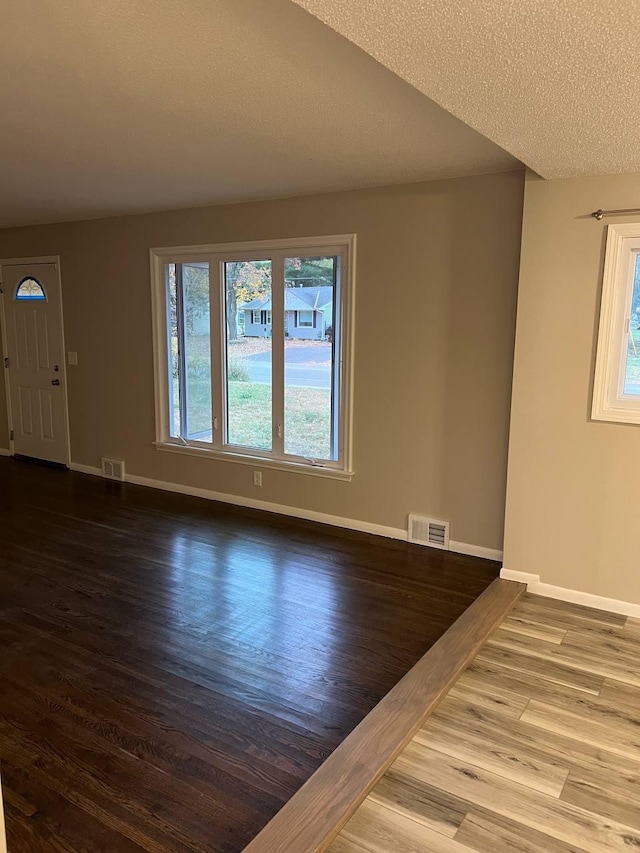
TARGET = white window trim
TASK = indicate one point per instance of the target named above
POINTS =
(343, 245)
(609, 401)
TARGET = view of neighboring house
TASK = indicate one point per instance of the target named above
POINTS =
(308, 314)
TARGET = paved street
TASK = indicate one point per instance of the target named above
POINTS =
(301, 376)
(300, 371)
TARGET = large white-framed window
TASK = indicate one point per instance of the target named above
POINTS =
(616, 391)
(256, 394)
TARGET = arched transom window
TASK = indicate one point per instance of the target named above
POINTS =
(30, 290)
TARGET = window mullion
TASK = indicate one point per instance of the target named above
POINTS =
(182, 353)
(277, 352)
(217, 319)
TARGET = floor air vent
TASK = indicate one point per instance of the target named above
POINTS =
(113, 469)
(429, 531)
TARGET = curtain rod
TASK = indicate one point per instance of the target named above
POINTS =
(598, 214)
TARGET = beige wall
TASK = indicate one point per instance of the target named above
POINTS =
(436, 288)
(572, 499)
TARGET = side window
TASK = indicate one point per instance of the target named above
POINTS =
(616, 394)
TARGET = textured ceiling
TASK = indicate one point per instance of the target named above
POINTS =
(133, 105)
(554, 82)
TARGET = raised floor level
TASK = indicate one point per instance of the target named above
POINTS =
(173, 669)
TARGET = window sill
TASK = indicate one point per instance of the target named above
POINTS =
(619, 414)
(256, 461)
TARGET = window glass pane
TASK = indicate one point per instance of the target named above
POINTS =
(632, 367)
(197, 344)
(309, 299)
(248, 353)
(174, 368)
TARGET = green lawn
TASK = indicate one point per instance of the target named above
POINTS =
(307, 416)
(632, 372)
(250, 414)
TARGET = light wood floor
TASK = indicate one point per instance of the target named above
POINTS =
(536, 749)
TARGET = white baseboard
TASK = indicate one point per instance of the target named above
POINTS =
(280, 509)
(4, 451)
(475, 551)
(86, 469)
(574, 596)
(294, 512)
(520, 577)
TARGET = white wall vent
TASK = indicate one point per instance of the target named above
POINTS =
(113, 469)
(429, 531)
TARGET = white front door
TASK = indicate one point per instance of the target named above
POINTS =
(34, 363)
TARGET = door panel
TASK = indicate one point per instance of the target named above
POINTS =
(36, 371)
(47, 416)
(42, 341)
(25, 411)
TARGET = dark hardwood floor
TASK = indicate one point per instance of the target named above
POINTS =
(173, 669)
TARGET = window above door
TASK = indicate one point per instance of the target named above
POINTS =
(30, 290)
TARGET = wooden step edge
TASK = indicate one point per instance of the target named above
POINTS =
(316, 813)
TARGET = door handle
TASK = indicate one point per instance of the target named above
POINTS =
(55, 381)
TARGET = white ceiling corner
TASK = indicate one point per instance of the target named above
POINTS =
(554, 83)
